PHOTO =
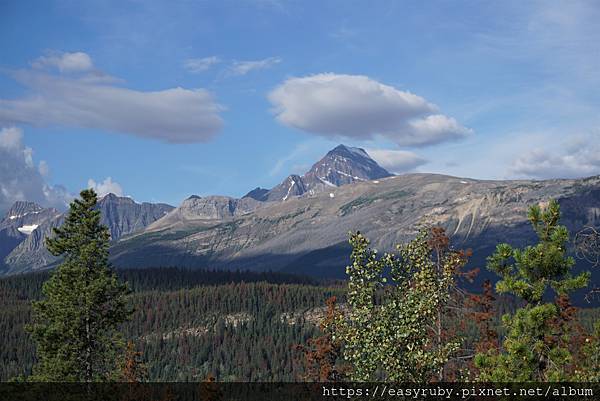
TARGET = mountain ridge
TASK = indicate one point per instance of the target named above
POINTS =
(122, 216)
(309, 234)
(301, 225)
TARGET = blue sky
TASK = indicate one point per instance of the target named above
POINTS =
(175, 98)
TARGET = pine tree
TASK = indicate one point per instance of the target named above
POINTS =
(531, 352)
(75, 326)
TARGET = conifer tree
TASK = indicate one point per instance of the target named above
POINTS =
(75, 325)
(530, 351)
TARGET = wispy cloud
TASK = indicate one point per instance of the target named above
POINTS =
(578, 156)
(343, 33)
(296, 152)
(65, 62)
(196, 65)
(92, 100)
(244, 67)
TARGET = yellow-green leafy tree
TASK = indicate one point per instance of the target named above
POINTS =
(388, 327)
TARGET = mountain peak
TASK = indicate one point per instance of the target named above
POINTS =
(344, 165)
(22, 208)
(257, 193)
(348, 151)
(111, 198)
(340, 166)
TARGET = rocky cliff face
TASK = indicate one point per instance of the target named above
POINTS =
(21, 222)
(27, 252)
(124, 216)
(197, 209)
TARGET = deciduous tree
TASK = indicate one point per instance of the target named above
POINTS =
(388, 331)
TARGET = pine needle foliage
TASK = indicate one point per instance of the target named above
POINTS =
(530, 350)
(75, 325)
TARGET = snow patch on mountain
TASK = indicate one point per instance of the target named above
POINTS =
(28, 229)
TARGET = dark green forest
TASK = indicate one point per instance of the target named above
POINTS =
(235, 326)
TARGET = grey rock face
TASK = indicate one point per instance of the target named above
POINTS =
(257, 193)
(344, 165)
(22, 221)
(31, 254)
(197, 209)
(122, 215)
(292, 186)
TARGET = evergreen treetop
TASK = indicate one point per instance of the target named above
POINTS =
(529, 272)
(536, 346)
(75, 325)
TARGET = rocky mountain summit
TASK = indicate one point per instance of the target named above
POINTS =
(340, 166)
(124, 216)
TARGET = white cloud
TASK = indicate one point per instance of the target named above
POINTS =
(244, 67)
(43, 168)
(11, 139)
(433, 129)
(577, 157)
(196, 65)
(396, 161)
(65, 62)
(105, 187)
(357, 107)
(92, 100)
(19, 177)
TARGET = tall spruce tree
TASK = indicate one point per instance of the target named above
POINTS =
(75, 325)
(530, 352)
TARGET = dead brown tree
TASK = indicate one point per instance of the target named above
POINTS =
(587, 247)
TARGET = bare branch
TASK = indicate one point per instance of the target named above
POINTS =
(587, 245)
(592, 295)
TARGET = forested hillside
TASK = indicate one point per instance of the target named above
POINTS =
(236, 326)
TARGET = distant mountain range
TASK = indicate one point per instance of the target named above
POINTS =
(26, 225)
(301, 225)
